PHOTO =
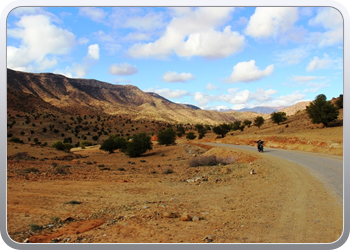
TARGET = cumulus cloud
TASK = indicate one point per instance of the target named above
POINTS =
(318, 63)
(331, 20)
(211, 86)
(176, 77)
(123, 69)
(248, 72)
(192, 33)
(292, 56)
(271, 21)
(93, 52)
(41, 43)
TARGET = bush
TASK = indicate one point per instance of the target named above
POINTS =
(30, 170)
(9, 135)
(222, 129)
(58, 145)
(15, 139)
(278, 117)
(259, 121)
(166, 137)
(322, 111)
(211, 160)
(139, 145)
(85, 143)
(113, 143)
(191, 136)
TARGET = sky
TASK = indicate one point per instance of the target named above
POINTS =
(214, 58)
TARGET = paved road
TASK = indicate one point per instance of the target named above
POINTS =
(327, 168)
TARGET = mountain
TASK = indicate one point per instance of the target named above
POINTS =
(87, 96)
(262, 109)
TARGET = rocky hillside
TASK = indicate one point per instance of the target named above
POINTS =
(83, 96)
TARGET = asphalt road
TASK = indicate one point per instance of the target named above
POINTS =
(327, 168)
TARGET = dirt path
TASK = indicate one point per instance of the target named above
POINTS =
(327, 168)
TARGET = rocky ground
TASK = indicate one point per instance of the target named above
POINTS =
(92, 196)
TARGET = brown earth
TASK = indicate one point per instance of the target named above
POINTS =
(142, 200)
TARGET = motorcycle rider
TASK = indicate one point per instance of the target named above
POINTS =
(260, 143)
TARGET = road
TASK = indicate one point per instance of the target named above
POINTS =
(327, 168)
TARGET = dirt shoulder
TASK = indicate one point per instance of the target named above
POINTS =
(142, 200)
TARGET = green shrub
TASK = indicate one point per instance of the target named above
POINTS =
(191, 136)
(166, 137)
(15, 139)
(139, 145)
(58, 145)
(85, 143)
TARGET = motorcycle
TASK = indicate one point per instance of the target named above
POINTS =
(260, 147)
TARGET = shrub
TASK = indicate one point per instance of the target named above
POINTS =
(168, 171)
(67, 146)
(73, 202)
(30, 170)
(278, 117)
(113, 143)
(85, 143)
(259, 121)
(9, 135)
(211, 160)
(222, 129)
(203, 161)
(95, 137)
(35, 227)
(166, 137)
(191, 136)
(58, 145)
(139, 145)
(322, 111)
(61, 169)
(15, 139)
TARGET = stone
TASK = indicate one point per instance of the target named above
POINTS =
(195, 218)
(169, 215)
(185, 217)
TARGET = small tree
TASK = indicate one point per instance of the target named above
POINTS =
(140, 144)
(259, 121)
(339, 102)
(222, 129)
(247, 123)
(322, 111)
(166, 137)
(238, 125)
(190, 136)
(278, 117)
(57, 145)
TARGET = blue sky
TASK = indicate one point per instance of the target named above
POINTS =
(214, 58)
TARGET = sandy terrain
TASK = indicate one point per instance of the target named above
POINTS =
(159, 198)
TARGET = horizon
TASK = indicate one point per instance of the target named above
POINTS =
(228, 58)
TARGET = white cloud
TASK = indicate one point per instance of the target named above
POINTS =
(123, 69)
(292, 56)
(312, 90)
(211, 86)
(94, 13)
(331, 20)
(248, 72)
(83, 40)
(317, 63)
(169, 94)
(271, 21)
(150, 21)
(41, 42)
(176, 77)
(192, 33)
(94, 52)
(303, 79)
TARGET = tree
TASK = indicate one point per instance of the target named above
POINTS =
(247, 123)
(238, 125)
(259, 121)
(339, 102)
(190, 136)
(166, 137)
(322, 111)
(140, 144)
(201, 130)
(278, 117)
(222, 129)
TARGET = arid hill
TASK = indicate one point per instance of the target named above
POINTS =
(83, 96)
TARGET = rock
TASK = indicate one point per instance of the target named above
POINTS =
(145, 207)
(169, 215)
(195, 218)
(185, 217)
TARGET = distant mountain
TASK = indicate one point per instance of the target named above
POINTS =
(86, 96)
(262, 109)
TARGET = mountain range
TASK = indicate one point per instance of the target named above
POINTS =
(53, 92)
